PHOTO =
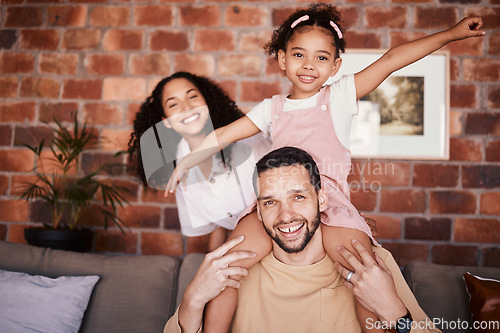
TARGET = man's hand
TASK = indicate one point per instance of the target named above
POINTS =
(212, 278)
(372, 283)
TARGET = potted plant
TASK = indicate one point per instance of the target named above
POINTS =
(69, 192)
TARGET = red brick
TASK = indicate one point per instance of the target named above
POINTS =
(465, 150)
(84, 1)
(105, 64)
(493, 97)
(489, 14)
(200, 16)
(40, 87)
(18, 112)
(67, 16)
(254, 41)
(362, 40)
(149, 15)
(130, 189)
(132, 110)
(388, 227)
(494, 43)
(8, 38)
(102, 113)
(463, 96)
(169, 41)
(363, 199)
(3, 232)
(491, 256)
(16, 233)
(256, 91)
(239, 65)
(25, 16)
(482, 123)
(214, 40)
(435, 175)
(407, 253)
(16, 160)
(124, 89)
(198, 244)
(468, 47)
(435, 18)
(151, 195)
(16, 63)
(60, 110)
(92, 160)
(171, 219)
(4, 185)
(150, 64)
(195, 63)
(105, 16)
(58, 63)
(39, 39)
(166, 243)
(487, 176)
(115, 40)
(455, 123)
(355, 173)
(455, 69)
(428, 229)
(402, 201)
(386, 174)
(481, 69)
(141, 216)
(351, 15)
(8, 86)
(279, 15)
(116, 241)
(385, 17)
(116, 139)
(249, 16)
(452, 202)
(457, 255)
(32, 135)
(81, 39)
(477, 230)
(493, 151)
(490, 203)
(82, 88)
(400, 37)
(5, 135)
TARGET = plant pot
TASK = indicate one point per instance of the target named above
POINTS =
(71, 240)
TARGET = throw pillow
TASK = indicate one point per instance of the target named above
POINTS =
(34, 303)
(484, 302)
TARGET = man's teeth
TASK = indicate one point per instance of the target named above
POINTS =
(292, 229)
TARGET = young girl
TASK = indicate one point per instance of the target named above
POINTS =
(317, 119)
(183, 108)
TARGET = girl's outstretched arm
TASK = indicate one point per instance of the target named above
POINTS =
(213, 143)
(402, 55)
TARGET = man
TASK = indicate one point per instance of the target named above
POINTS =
(297, 288)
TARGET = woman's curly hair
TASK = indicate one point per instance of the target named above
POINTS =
(221, 108)
(320, 15)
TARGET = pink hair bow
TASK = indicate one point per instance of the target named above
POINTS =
(337, 29)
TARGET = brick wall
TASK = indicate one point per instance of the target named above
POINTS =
(103, 57)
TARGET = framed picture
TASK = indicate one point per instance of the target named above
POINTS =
(407, 116)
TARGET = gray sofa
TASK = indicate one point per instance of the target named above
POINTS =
(140, 293)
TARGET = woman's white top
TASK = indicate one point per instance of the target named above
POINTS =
(218, 201)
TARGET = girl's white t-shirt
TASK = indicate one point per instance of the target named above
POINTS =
(343, 107)
(207, 204)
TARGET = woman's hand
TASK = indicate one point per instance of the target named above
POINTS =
(213, 276)
(179, 175)
(372, 283)
(467, 27)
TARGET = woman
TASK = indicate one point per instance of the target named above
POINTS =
(182, 109)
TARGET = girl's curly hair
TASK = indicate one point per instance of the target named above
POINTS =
(222, 111)
(320, 15)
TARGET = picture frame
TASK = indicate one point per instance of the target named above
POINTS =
(407, 116)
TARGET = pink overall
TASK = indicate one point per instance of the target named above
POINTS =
(312, 130)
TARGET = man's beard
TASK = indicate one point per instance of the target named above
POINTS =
(305, 240)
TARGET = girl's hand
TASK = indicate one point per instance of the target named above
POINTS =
(372, 283)
(468, 27)
(214, 274)
(177, 176)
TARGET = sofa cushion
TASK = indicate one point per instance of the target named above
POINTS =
(440, 291)
(35, 303)
(134, 293)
